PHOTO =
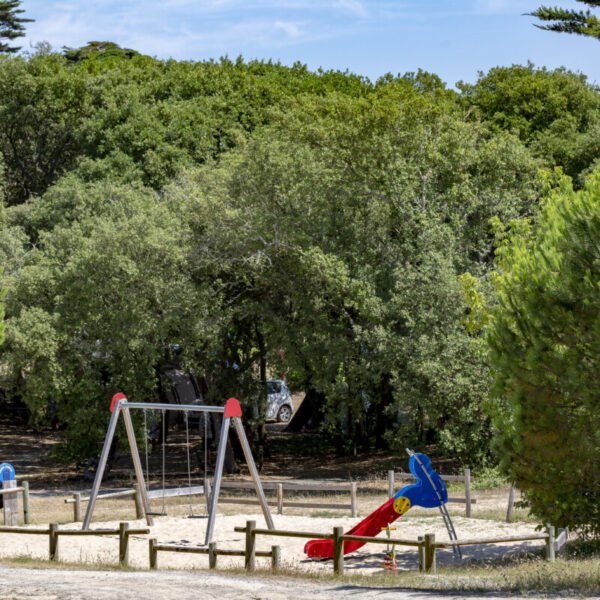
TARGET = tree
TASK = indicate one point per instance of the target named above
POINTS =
(581, 22)
(556, 113)
(11, 24)
(545, 351)
(338, 235)
(90, 311)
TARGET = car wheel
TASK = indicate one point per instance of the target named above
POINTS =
(284, 414)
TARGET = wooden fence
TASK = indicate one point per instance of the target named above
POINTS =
(468, 500)
(212, 551)
(9, 493)
(426, 545)
(280, 487)
(53, 533)
(279, 501)
(78, 499)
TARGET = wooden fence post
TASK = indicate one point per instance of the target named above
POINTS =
(421, 551)
(77, 507)
(26, 517)
(391, 484)
(137, 498)
(550, 546)
(212, 555)
(53, 541)
(430, 560)
(153, 552)
(353, 499)
(123, 544)
(275, 557)
(280, 498)
(511, 504)
(250, 554)
(338, 551)
(468, 492)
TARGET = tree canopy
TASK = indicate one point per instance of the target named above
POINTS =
(315, 224)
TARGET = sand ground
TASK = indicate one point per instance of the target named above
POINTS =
(191, 532)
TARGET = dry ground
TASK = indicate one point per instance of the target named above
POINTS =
(178, 528)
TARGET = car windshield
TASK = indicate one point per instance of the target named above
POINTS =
(273, 387)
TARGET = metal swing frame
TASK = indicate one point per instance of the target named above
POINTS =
(231, 412)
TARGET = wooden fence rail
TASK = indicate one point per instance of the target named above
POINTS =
(53, 533)
(426, 545)
(468, 500)
(279, 501)
(212, 551)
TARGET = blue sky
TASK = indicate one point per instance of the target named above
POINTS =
(453, 38)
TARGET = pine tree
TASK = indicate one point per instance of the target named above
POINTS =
(11, 24)
(545, 353)
(581, 22)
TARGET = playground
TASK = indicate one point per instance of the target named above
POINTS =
(188, 528)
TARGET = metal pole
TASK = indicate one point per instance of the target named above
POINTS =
(177, 407)
(110, 434)
(214, 497)
(137, 463)
(237, 421)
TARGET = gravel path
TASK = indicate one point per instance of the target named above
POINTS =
(64, 584)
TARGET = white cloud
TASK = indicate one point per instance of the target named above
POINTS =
(292, 30)
(353, 7)
(505, 6)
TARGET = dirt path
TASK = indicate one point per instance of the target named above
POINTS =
(51, 584)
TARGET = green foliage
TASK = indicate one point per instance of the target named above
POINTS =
(41, 104)
(581, 22)
(351, 220)
(104, 289)
(319, 225)
(555, 113)
(545, 347)
(102, 102)
(11, 24)
(99, 50)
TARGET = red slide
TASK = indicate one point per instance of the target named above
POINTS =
(369, 527)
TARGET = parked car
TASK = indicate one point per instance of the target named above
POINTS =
(279, 401)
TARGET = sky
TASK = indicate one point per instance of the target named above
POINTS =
(455, 39)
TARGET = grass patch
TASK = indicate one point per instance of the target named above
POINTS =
(29, 562)
(515, 575)
(565, 577)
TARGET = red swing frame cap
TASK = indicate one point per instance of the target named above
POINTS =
(232, 408)
(115, 399)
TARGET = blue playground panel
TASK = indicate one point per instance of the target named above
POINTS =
(7, 472)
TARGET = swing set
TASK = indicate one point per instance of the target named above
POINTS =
(231, 413)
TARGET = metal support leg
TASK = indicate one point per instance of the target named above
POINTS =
(137, 464)
(110, 434)
(253, 472)
(214, 498)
